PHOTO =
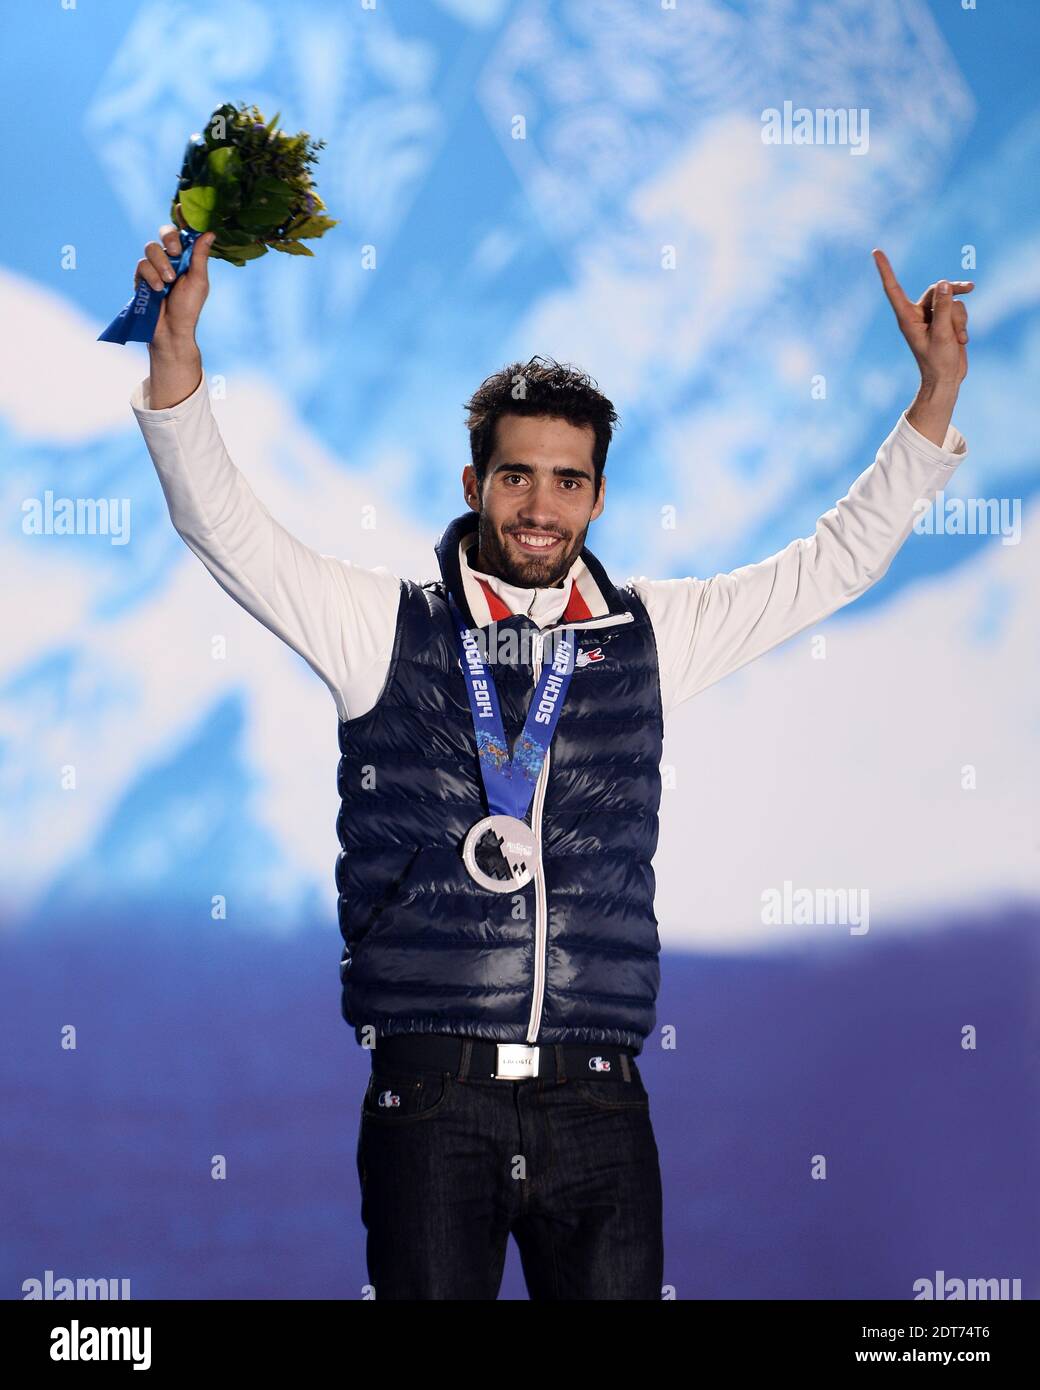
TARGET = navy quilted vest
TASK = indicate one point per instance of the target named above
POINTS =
(572, 956)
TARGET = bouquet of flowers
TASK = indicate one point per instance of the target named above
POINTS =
(250, 184)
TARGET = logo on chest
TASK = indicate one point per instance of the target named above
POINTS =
(589, 658)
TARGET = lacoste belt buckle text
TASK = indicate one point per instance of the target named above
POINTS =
(514, 1061)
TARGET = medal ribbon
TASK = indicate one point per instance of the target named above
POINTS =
(510, 782)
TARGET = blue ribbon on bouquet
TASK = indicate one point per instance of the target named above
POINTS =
(136, 321)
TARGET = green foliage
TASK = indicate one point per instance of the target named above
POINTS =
(250, 183)
(198, 204)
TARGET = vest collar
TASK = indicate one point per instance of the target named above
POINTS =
(592, 595)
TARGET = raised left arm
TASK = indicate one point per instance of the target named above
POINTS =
(707, 628)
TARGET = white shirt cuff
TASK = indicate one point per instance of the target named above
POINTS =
(954, 446)
(140, 396)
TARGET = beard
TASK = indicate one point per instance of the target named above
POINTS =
(525, 571)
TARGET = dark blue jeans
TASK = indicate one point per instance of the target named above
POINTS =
(453, 1166)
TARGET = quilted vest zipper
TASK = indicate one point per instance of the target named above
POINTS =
(541, 907)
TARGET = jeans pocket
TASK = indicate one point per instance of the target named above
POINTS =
(396, 1098)
(615, 1093)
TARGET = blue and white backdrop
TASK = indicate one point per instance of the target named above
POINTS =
(755, 380)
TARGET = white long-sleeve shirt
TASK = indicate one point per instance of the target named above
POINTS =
(341, 617)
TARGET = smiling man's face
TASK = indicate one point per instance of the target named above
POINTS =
(538, 499)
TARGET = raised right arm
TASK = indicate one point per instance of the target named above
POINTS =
(339, 617)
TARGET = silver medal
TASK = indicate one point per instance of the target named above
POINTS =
(500, 853)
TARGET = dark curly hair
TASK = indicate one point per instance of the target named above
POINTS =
(538, 387)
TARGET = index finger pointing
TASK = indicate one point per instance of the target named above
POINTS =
(892, 287)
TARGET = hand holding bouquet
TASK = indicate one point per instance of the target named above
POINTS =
(247, 186)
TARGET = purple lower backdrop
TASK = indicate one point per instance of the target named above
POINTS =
(193, 1043)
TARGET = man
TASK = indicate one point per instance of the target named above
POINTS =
(500, 733)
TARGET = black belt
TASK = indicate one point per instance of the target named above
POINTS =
(479, 1059)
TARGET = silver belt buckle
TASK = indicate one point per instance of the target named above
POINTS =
(515, 1061)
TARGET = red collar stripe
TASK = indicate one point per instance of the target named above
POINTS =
(496, 607)
(577, 609)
